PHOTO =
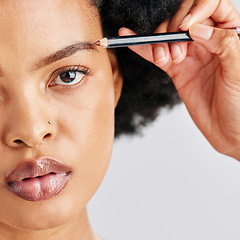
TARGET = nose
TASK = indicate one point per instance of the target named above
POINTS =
(28, 124)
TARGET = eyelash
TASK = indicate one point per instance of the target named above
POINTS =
(77, 69)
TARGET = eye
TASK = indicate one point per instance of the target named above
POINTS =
(69, 76)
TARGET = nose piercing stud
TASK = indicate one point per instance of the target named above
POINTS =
(50, 122)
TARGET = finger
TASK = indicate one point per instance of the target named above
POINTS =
(222, 12)
(179, 50)
(226, 15)
(158, 54)
(161, 52)
(163, 27)
(225, 44)
(178, 55)
(144, 51)
(209, 22)
(177, 19)
(202, 10)
(125, 32)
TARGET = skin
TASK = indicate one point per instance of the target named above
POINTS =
(210, 66)
(81, 133)
(82, 115)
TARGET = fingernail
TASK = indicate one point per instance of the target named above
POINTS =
(160, 54)
(185, 23)
(176, 53)
(201, 31)
(125, 31)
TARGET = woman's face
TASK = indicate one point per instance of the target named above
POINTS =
(57, 98)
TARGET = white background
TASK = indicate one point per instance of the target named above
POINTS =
(169, 184)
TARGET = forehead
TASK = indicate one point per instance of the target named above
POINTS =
(44, 26)
(16, 14)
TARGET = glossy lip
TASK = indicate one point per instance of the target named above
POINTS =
(34, 169)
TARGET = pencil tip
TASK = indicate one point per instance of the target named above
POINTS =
(97, 43)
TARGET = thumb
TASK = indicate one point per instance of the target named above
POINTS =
(222, 42)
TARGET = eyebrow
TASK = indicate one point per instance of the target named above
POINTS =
(62, 53)
(65, 52)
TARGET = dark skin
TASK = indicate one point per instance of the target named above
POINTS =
(42, 44)
(82, 112)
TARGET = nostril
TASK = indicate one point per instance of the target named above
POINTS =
(29, 140)
(47, 136)
(18, 141)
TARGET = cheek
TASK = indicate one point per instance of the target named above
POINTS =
(88, 132)
(87, 114)
(84, 118)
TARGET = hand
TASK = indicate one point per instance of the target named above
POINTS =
(206, 72)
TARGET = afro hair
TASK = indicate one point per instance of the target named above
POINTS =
(146, 88)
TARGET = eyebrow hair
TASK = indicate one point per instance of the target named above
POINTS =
(65, 52)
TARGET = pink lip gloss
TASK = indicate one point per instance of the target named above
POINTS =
(39, 179)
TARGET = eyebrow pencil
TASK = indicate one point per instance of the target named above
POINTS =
(134, 40)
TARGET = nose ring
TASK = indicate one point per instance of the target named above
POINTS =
(50, 122)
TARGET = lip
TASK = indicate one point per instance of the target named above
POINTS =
(38, 179)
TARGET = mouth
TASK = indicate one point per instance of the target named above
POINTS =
(39, 179)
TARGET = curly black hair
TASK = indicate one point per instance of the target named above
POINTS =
(146, 88)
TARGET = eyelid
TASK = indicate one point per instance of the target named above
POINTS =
(80, 68)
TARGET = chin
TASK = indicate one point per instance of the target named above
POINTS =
(43, 224)
(42, 215)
